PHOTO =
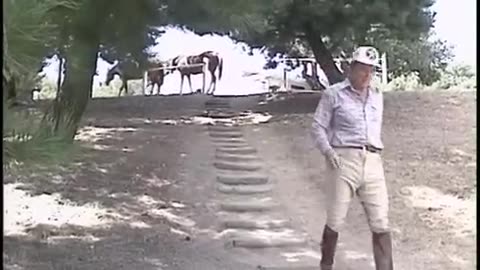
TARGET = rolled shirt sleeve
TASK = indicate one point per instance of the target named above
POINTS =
(321, 122)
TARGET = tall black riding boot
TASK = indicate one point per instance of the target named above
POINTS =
(382, 251)
(329, 244)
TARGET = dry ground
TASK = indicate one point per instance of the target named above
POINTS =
(143, 195)
(430, 163)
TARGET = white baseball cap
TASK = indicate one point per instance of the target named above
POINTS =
(367, 55)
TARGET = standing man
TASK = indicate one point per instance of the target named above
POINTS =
(347, 130)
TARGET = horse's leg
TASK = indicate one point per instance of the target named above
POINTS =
(120, 90)
(126, 87)
(151, 88)
(181, 84)
(213, 83)
(190, 83)
(204, 78)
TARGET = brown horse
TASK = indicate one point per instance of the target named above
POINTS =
(156, 75)
(209, 58)
(131, 71)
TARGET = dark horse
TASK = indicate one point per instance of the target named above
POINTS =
(210, 58)
(129, 70)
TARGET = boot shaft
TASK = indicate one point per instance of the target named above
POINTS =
(329, 245)
(382, 251)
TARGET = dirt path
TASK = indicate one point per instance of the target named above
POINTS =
(430, 168)
(156, 196)
(133, 203)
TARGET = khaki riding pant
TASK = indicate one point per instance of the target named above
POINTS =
(362, 174)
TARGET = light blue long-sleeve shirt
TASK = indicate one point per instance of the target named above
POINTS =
(343, 118)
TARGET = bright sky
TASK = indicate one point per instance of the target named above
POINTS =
(455, 22)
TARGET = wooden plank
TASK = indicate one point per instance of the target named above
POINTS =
(173, 67)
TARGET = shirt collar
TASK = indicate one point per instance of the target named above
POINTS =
(347, 84)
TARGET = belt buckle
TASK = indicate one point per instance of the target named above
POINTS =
(372, 149)
(369, 148)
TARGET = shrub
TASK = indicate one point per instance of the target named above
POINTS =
(408, 82)
(458, 77)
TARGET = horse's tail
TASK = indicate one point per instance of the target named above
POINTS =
(220, 67)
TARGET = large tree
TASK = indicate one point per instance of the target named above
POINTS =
(98, 26)
(28, 35)
(123, 30)
(327, 28)
(427, 56)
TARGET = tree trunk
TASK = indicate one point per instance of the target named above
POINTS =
(80, 67)
(73, 97)
(90, 90)
(60, 69)
(322, 55)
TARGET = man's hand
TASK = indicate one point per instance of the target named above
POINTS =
(334, 159)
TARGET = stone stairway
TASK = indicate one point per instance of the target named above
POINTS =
(248, 214)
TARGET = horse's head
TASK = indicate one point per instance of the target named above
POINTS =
(111, 74)
(170, 63)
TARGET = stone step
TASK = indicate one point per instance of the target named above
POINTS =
(242, 179)
(229, 140)
(219, 128)
(212, 113)
(232, 144)
(266, 238)
(232, 134)
(236, 222)
(244, 189)
(304, 267)
(248, 205)
(237, 166)
(237, 150)
(235, 158)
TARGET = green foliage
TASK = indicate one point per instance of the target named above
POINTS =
(327, 29)
(26, 141)
(405, 82)
(48, 90)
(341, 24)
(123, 38)
(99, 26)
(27, 148)
(29, 33)
(428, 57)
(218, 16)
(458, 76)
(107, 91)
(134, 88)
(28, 36)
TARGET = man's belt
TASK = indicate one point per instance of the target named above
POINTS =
(369, 148)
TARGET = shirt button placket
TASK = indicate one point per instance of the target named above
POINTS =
(365, 121)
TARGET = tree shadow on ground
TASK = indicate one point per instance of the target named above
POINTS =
(134, 248)
(131, 188)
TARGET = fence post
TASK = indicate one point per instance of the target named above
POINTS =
(384, 68)
(145, 74)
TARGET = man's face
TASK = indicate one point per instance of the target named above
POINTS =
(360, 75)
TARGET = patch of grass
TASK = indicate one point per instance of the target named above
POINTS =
(26, 142)
(454, 78)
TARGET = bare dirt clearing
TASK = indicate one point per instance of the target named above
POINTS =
(144, 195)
(430, 163)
